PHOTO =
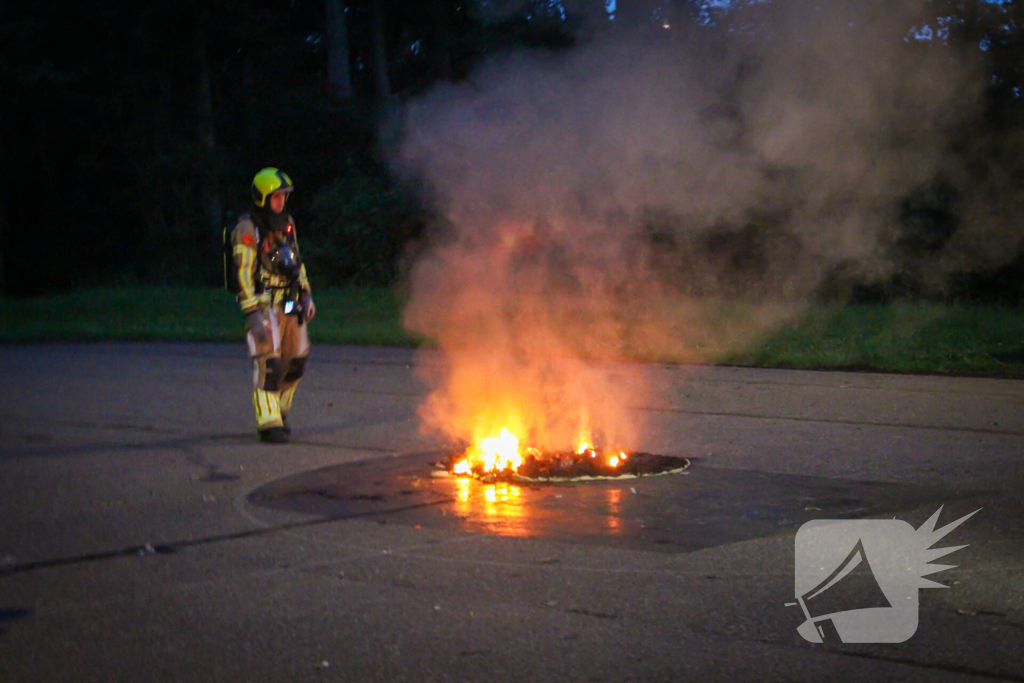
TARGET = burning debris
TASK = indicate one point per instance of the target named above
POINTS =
(500, 458)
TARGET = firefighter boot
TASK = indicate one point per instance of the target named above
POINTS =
(268, 416)
(294, 370)
(285, 401)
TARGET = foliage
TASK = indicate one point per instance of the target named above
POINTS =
(127, 127)
(361, 223)
(898, 337)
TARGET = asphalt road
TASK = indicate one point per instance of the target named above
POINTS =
(145, 535)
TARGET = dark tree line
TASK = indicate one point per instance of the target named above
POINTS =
(129, 131)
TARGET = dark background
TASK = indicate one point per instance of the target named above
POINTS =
(131, 130)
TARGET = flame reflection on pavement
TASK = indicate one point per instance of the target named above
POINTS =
(497, 508)
(520, 511)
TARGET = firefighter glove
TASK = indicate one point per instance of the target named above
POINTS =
(306, 302)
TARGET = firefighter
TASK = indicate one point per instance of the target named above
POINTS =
(274, 295)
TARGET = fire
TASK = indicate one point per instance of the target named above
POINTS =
(505, 455)
(493, 454)
(583, 439)
(501, 452)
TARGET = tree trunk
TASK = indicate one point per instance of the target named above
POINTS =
(252, 120)
(339, 82)
(379, 52)
(634, 12)
(212, 205)
(5, 164)
(971, 26)
(442, 48)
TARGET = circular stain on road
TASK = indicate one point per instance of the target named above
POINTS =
(700, 507)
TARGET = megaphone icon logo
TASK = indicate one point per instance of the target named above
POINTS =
(857, 581)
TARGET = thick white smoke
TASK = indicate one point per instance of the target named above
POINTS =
(592, 196)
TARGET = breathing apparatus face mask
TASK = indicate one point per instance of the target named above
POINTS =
(285, 257)
(286, 261)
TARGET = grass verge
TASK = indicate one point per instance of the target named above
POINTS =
(902, 337)
(344, 316)
(922, 338)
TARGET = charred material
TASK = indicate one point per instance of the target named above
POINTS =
(573, 466)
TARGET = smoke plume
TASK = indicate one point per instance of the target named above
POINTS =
(596, 199)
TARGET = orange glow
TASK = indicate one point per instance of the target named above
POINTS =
(501, 511)
(503, 454)
(500, 453)
(612, 521)
(462, 494)
(583, 441)
(493, 454)
(498, 508)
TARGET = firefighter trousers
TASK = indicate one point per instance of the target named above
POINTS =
(278, 364)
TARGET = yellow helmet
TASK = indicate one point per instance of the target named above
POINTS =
(267, 182)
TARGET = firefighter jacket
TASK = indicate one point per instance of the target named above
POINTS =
(254, 246)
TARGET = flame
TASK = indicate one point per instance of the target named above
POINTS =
(583, 439)
(499, 453)
(503, 453)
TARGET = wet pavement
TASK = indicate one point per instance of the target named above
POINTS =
(146, 535)
(701, 507)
